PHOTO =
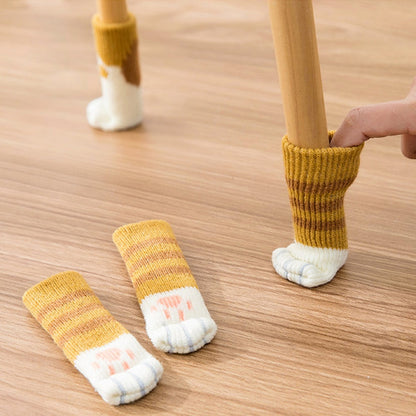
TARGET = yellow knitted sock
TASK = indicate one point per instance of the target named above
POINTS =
(177, 319)
(120, 106)
(317, 180)
(116, 365)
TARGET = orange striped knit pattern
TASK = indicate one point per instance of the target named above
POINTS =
(112, 360)
(71, 313)
(317, 180)
(116, 45)
(153, 258)
(177, 319)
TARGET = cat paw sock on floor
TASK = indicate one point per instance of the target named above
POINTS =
(177, 319)
(112, 360)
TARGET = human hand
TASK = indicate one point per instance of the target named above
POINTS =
(380, 120)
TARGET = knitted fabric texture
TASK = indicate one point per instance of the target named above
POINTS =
(317, 180)
(120, 106)
(177, 319)
(116, 45)
(100, 347)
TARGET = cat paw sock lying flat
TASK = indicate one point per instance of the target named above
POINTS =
(177, 319)
(112, 360)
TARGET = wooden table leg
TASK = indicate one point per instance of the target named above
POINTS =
(297, 58)
(112, 11)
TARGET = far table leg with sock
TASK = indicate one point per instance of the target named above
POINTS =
(116, 41)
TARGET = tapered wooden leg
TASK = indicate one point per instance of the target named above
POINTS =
(297, 59)
(112, 11)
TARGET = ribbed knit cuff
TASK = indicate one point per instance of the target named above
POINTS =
(55, 287)
(317, 180)
(114, 41)
(71, 313)
(150, 231)
(153, 258)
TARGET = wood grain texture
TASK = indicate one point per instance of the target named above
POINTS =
(208, 160)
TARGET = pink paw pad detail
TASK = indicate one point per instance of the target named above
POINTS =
(113, 357)
(172, 303)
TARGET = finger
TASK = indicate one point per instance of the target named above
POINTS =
(409, 146)
(379, 120)
(349, 133)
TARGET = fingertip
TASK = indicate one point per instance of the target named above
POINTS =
(408, 146)
(333, 141)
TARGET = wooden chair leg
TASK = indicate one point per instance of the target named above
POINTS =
(297, 59)
(112, 11)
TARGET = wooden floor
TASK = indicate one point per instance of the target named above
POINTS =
(208, 160)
